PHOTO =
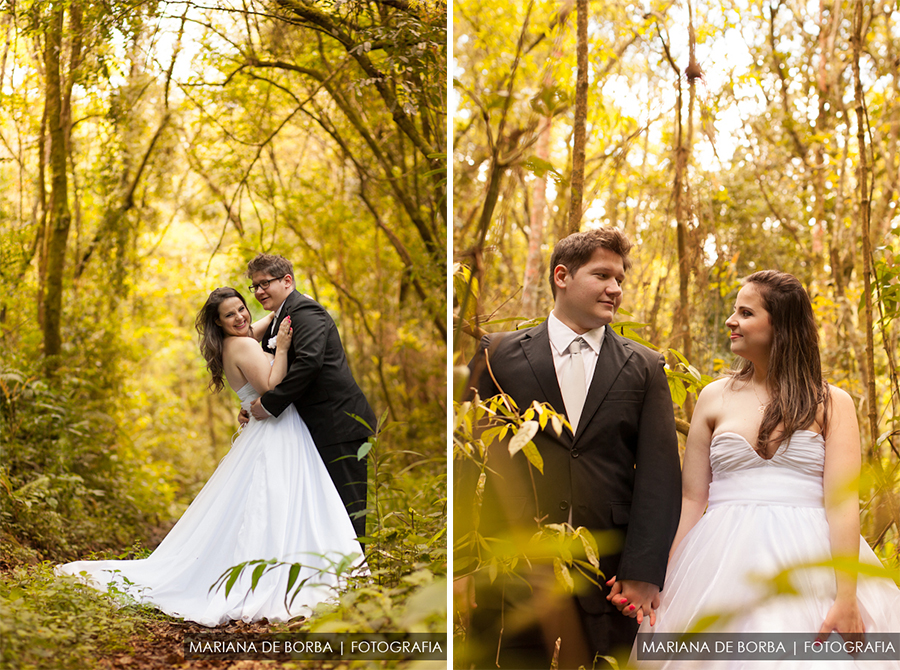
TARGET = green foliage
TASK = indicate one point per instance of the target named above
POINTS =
(477, 425)
(404, 584)
(57, 622)
(886, 286)
(63, 487)
(406, 547)
(415, 602)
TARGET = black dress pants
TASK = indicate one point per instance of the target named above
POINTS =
(350, 477)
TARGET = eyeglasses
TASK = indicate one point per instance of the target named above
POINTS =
(264, 284)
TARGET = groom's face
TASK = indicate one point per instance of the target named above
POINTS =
(589, 297)
(275, 291)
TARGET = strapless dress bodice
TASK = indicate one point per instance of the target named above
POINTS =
(247, 394)
(793, 476)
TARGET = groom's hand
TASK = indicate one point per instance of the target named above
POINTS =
(258, 411)
(243, 417)
(634, 598)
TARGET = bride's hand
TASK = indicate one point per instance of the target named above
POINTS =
(283, 338)
(843, 617)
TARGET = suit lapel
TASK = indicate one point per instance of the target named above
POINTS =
(537, 350)
(614, 353)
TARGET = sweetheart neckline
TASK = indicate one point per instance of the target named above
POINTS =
(755, 452)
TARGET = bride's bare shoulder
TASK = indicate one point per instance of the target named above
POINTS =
(242, 346)
(716, 389)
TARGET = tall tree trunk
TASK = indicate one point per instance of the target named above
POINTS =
(864, 210)
(681, 326)
(885, 497)
(683, 205)
(532, 279)
(43, 234)
(60, 217)
(578, 144)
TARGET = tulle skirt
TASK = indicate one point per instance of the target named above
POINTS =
(270, 498)
(737, 571)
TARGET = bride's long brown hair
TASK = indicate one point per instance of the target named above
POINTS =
(212, 337)
(794, 376)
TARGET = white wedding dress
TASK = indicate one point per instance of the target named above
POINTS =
(764, 517)
(270, 497)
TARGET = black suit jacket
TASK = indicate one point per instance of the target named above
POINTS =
(620, 472)
(318, 381)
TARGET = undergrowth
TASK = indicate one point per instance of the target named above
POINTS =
(48, 621)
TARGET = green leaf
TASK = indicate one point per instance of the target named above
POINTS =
(364, 449)
(539, 167)
(257, 573)
(534, 456)
(676, 387)
(235, 573)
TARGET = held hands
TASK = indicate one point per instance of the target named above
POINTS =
(634, 599)
(258, 411)
(843, 617)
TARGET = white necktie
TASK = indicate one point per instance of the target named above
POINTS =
(572, 382)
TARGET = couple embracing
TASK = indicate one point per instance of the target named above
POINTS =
(290, 489)
(768, 482)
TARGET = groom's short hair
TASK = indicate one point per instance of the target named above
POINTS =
(277, 266)
(576, 249)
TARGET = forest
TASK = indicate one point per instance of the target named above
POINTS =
(723, 138)
(148, 151)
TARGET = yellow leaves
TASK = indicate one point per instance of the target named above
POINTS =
(478, 424)
(563, 575)
(523, 437)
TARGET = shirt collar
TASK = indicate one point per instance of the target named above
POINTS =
(278, 311)
(561, 335)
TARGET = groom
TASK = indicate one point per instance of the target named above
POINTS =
(618, 474)
(318, 381)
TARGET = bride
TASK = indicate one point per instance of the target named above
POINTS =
(769, 488)
(270, 498)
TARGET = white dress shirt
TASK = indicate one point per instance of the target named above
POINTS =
(561, 337)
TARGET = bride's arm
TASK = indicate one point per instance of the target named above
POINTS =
(262, 373)
(842, 465)
(259, 328)
(282, 346)
(696, 473)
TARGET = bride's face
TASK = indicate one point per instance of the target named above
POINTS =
(234, 318)
(750, 325)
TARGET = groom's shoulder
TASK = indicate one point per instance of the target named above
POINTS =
(302, 301)
(504, 340)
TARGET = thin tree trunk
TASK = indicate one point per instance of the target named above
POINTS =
(60, 218)
(532, 278)
(884, 498)
(683, 207)
(578, 144)
(864, 210)
(681, 330)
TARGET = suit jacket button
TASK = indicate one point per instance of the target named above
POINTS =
(575, 453)
(564, 505)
